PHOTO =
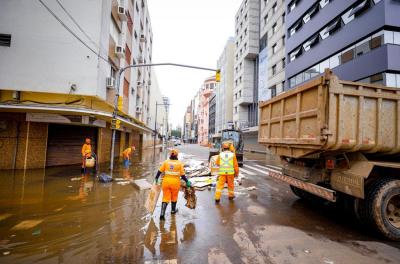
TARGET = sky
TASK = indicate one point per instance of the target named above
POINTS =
(190, 32)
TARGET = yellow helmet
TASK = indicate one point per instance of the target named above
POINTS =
(225, 145)
(173, 152)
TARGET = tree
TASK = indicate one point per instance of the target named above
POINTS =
(176, 133)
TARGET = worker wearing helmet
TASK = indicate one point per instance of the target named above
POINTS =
(173, 171)
(126, 154)
(86, 152)
(228, 170)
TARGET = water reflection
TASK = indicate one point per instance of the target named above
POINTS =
(60, 215)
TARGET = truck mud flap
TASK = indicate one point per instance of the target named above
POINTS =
(322, 192)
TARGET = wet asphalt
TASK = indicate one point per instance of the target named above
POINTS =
(58, 215)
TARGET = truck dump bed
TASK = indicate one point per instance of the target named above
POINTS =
(327, 114)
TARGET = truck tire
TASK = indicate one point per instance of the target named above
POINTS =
(383, 207)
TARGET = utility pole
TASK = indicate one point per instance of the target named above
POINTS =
(120, 74)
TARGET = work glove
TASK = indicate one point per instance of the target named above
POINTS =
(157, 181)
(188, 184)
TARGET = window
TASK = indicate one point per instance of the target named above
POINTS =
(329, 30)
(137, 8)
(295, 54)
(274, 49)
(274, 69)
(310, 13)
(293, 5)
(311, 42)
(236, 109)
(240, 94)
(377, 78)
(274, 28)
(283, 86)
(362, 47)
(245, 32)
(283, 63)
(245, 46)
(274, 8)
(323, 3)
(390, 79)
(273, 90)
(295, 28)
(347, 55)
(5, 40)
(265, 19)
(283, 40)
(283, 18)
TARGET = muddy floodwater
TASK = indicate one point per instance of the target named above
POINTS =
(58, 215)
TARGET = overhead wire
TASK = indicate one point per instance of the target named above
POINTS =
(77, 24)
(72, 32)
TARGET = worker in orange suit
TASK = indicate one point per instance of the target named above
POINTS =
(173, 171)
(126, 154)
(228, 170)
(86, 152)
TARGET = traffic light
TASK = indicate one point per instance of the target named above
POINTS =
(115, 124)
(120, 103)
(218, 76)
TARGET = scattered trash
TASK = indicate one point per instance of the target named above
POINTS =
(105, 178)
(142, 184)
(119, 179)
(26, 224)
(152, 199)
(123, 183)
(190, 197)
(5, 253)
(328, 261)
(307, 251)
(251, 188)
(214, 168)
(36, 232)
(76, 179)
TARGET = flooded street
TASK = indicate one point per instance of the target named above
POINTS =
(54, 216)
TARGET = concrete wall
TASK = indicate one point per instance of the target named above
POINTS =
(23, 144)
(43, 56)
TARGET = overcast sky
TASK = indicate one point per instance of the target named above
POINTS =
(189, 32)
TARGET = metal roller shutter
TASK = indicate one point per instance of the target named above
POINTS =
(65, 142)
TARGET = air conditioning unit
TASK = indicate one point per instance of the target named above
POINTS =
(122, 13)
(119, 51)
(138, 109)
(110, 82)
(142, 38)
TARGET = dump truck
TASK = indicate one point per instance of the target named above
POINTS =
(340, 141)
(232, 136)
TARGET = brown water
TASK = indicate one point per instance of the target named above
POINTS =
(45, 216)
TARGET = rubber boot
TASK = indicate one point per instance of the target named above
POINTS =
(163, 209)
(173, 208)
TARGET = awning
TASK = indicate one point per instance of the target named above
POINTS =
(73, 111)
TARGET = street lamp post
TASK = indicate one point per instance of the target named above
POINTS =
(119, 74)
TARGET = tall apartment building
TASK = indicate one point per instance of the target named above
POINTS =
(271, 59)
(187, 124)
(359, 40)
(206, 91)
(224, 88)
(245, 98)
(54, 91)
(211, 116)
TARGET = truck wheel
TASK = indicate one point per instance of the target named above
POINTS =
(383, 210)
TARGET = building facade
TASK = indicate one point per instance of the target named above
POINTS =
(64, 91)
(205, 92)
(271, 60)
(358, 40)
(245, 92)
(224, 88)
(211, 116)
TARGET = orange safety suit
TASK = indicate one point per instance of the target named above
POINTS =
(228, 170)
(173, 170)
(86, 150)
(126, 154)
